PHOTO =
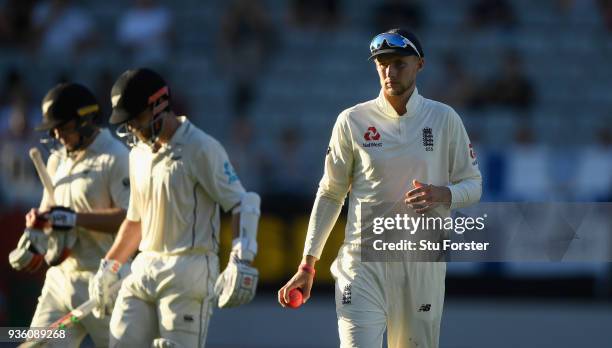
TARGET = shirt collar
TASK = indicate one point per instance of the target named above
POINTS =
(179, 135)
(411, 106)
(100, 143)
(175, 145)
(177, 139)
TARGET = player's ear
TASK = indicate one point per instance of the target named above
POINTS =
(421, 64)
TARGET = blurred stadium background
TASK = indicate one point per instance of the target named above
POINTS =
(531, 80)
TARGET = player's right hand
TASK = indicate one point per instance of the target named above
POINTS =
(302, 280)
(37, 219)
(99, 287)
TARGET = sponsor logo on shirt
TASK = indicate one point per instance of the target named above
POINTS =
(230, 173)
(372, 137)
(428, 139)
(473, 155)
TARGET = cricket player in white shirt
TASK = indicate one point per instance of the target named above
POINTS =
(179, 177)
(399, 147)
(89, 171)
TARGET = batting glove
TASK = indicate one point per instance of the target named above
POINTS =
(62, 218)
(28, 254)
(99, 287)
(237, 283)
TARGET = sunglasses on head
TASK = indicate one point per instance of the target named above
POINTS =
(391, 40)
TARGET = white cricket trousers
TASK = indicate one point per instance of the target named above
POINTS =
(165, 296)
(65, 289)
(406, 298)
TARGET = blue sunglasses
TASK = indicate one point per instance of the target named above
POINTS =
(392, 40)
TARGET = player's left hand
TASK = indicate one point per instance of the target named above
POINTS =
(425, 197)
(100, 287)
(237, 284)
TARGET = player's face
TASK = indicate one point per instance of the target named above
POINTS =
(67, 135)
(139, 126)
(397, 73)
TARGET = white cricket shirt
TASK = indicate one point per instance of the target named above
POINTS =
(176, 192)
(95, 179)
(376, 153)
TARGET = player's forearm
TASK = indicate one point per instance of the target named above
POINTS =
(466, 192)
(235, 226)
(324, 214)
(126, 243)
(309, 260)
(103, 220)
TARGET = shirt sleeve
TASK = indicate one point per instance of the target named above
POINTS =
(119, 180)
(323, 217)
(338, 169)
(134, 207)
(333, 188)
(465, 178)
(216, 174)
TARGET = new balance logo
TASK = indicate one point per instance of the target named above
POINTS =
(346, 295)
(425, 307)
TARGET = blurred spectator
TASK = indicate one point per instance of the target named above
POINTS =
(62, 29)
(564, 7)
(605, 7)
(490, 14)
(13, 85)
(523, 157)
(242, 96)
(102, 87)
(455, 86)
(243, 150)
(246, 41)
(315, 14)
(509, 88)
(145, 32)
(594, 182)
(14, 94)
(18, 179)
(398, 13)
(15, 25)
(288, 173)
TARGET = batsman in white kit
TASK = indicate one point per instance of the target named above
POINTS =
(76, 222)
(179, 177)
(399, 147)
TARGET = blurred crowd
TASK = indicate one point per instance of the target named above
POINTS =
(246, 44)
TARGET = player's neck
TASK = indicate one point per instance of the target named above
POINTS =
(398, 102)
(171, 124)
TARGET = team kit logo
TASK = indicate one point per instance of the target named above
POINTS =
(428, 139)
(372, 138)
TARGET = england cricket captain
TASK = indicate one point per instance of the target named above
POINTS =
(89, 170)
(399, 147)
(179, 177)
